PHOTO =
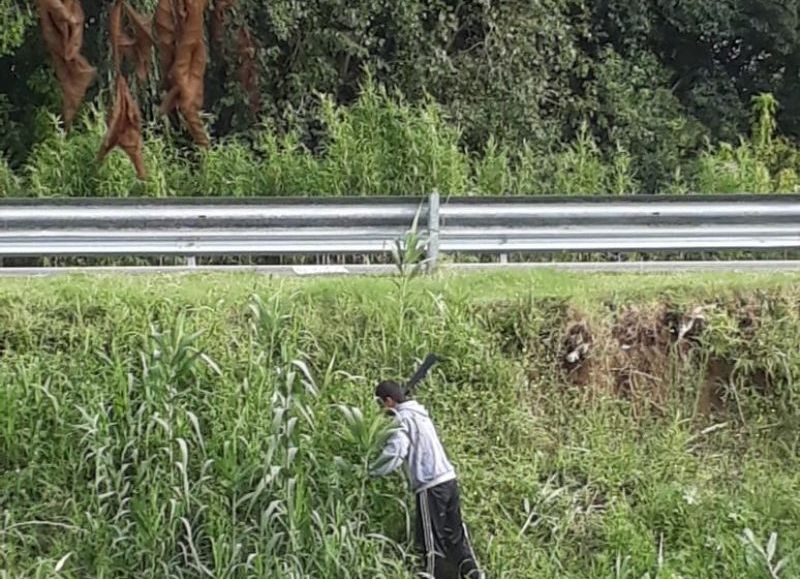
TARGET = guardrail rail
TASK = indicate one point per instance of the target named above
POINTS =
(315, 226)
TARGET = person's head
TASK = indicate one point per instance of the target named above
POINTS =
(389, 394)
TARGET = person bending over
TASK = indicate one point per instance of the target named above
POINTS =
(441, 535)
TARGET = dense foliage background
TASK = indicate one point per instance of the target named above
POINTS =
(651, 86)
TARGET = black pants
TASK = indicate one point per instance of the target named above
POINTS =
(441, 535)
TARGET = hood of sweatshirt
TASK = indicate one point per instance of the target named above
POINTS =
(412, 406)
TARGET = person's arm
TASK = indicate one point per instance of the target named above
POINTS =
(393, 454)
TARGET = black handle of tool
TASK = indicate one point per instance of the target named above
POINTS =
(428, 363)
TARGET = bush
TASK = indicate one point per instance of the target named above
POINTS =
(637, 111)
(382, 146)
(765, 163)
(228, 169)
(287, 168)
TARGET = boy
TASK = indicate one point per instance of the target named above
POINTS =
(441, 535)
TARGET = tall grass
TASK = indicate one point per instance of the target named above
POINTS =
(9, 183)
(382, 145)
(764, 163)
(66, 165)
(221, 427)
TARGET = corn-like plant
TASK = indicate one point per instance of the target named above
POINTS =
(408, 252)
(766, 553)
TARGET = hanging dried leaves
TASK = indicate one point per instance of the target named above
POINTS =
(62, 31)
(248, 76)
(164, 22)
(247, 69)
(129, 39)
(132, 39)
(221, 7)
(179, 32)
(124, 127)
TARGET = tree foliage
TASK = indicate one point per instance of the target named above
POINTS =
(15, 18)
(655, 79)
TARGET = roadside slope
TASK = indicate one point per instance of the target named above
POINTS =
(603, 425)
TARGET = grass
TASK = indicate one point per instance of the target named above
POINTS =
(219, 425)
(382, 145)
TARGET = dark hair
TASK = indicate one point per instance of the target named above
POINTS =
(390, 389)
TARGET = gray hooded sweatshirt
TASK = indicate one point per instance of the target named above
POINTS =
(416, 443)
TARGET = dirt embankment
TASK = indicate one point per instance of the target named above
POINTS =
(710, 353)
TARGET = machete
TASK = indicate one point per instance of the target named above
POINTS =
(428, 363)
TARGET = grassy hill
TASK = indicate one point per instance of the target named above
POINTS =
(218, 426)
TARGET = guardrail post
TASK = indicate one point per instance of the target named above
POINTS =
(432, 253)
(191, 261)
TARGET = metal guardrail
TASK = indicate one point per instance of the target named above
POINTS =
(259, 226)
(673, 267)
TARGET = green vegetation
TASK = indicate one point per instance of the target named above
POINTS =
(652, 91)
(382, 145)
(603, 426)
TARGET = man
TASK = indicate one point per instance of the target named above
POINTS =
(441, 535)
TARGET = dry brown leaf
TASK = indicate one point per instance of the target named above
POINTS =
(137, 46)
(182, 22)
(164, 23)
(248, 76)
(118, 38)
(218, 19)
(139, 50)
(245, 52)
(62, 31)
(124, 127)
